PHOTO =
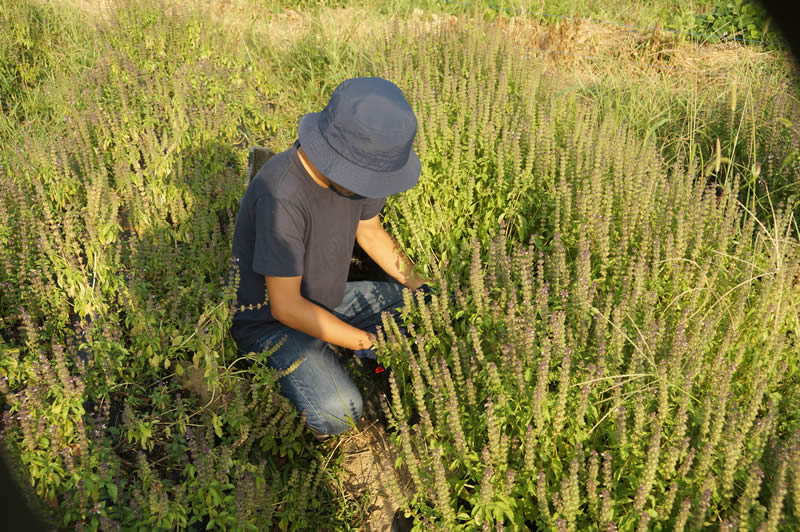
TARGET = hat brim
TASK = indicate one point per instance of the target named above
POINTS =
(362, 181)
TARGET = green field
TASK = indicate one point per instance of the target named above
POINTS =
(610, 217)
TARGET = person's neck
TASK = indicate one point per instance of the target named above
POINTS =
(315, 174)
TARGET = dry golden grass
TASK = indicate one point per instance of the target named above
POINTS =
(583, 49)
(589, 50)
(248, 16)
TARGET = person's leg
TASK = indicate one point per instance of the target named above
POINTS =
(319, 385)
(365, 301)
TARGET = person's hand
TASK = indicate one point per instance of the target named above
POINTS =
(368, 352)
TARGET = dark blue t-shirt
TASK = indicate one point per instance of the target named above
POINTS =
(289, 225)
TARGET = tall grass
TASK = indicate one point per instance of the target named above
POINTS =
(739, 125)
(639, 13)
(38, 43)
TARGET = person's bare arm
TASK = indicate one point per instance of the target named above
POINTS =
(289, 307)
(386, 253)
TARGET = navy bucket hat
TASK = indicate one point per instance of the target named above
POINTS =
(362, 139)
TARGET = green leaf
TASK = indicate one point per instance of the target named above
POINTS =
(216, 422)
(112, 491)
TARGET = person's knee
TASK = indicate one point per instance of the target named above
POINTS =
(392, 293)
(337, 414)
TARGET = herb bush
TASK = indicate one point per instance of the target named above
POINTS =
(116, 219)
(736, 19)
(621, 355)
(618, 348)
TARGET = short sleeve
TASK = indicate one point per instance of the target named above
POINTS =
(279, 244)
(371, 207)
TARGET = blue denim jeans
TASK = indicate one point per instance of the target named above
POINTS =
(320, 385)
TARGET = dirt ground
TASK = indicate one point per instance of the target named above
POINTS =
(368, 459)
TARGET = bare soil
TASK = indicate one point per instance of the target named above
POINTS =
(368, 466)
